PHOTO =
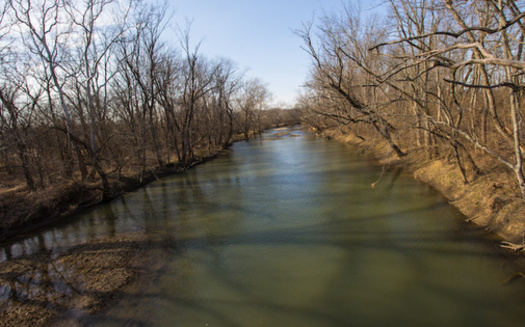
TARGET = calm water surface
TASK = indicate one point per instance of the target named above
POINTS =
(288, 231)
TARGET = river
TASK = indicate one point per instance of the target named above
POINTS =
(294, 230)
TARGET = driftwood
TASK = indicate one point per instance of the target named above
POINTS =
(512, 246)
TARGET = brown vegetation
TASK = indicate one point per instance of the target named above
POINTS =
(438, 86)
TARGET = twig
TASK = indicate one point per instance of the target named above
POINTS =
(512, 246)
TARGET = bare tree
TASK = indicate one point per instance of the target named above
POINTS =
(228, 83)
(493, 39)
(46, 37)
(343, 72)
(143, 62)
(168, 86)
(253, 99)
(11, 118)
(197, 81)
(96, 39)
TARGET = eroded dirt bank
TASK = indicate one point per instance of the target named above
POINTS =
(490, 201)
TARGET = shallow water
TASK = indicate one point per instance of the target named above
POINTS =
(288, 231)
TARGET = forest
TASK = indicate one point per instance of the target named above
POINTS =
(432, 79)
(100, 97)
(97, 92)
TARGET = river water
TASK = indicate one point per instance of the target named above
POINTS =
(294, 230)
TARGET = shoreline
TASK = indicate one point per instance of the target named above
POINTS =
(82, 272)
(74, 198)
(489, 202)
(79, 282)
(134, 259)
(22, 214)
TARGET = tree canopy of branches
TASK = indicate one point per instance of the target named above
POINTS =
(91, 90)
(439, 75)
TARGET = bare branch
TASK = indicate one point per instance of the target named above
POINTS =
(512, 86)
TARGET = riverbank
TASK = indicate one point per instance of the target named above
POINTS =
(68, 287)
(22, 211)
(491, 201)
(65, 288)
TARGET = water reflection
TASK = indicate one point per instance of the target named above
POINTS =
(296, 232)
(52, 282)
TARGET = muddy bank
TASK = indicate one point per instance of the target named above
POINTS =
(66, 288)
(21, 211)
(491, 201)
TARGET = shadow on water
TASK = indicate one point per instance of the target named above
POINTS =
(293, 231)
(365, 241)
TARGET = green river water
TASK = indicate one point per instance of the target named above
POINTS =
(287, 230)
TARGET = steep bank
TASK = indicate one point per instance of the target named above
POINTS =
(491, 201)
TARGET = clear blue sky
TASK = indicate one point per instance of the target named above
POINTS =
(257, 35)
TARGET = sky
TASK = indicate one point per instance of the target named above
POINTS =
(257, 35)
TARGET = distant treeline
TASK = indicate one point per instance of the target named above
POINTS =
(441, 78)
(92, 90)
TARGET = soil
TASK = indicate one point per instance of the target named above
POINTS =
(65, 289)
